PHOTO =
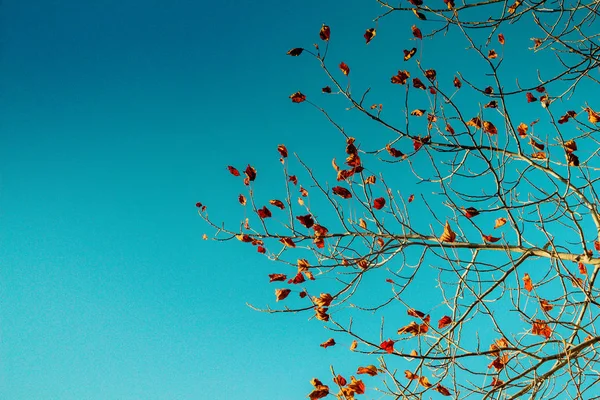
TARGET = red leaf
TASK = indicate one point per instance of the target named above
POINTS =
(293, 179)
(501, 38)
(530, 97)
(401, 78)
(261, 250)
(342, 192)
(411, 198)
(326, 89)
(471, 212)
(233, 171)
(379, 203)
(418, 84)
(457, 83)
(444, 322)
(282, 150)
(345, 68)
(297, 97)
(277, 203)
(250, 173)
(369, 34)
(582, 268)
(325, 33)
(295, 52)
(415, 313)
(388, 346)
(490, 238)
(306, 220)
(416, 32)
(340, 380)
(264, 212)
(281, 294)
(287, 242)
(299, 278)
(277, 277)
(527, 282)
(242, 199)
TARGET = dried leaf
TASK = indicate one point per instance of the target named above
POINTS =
(489, 128)
(530, 97)
(281, 294)
(264, 212)
(409, 53)
(501, 38)
(444, 322)
(353, 346)
(342, 192)
(490, 238)
(242, 199)
(345, 68)
(475, 122)
(401, 78)
(340, 380)
(277, 277)
(388, 346)
(545, 305)
(409, 375)
(442, 390)
(330, 342)
(297, 97)
(233, 171)
(418, 84)
(417, 113)
(540, 155)
(593, 116)
(411, 198)
(522, 130)
(449, 235)
(416, 32)
(457, 83)
(295, 52)
(379, 203)
(582, 268)
(527, 282)
(492, 54)
(499, 222)
(430, 74)
(287, 242)
(369, 34)
(570, 146)
(418, 14)
(415, 313)
(572, 160)
(541, 328)
(491, 104)
(325, 33)
(423, 381)
(370, 370)
(326, 89)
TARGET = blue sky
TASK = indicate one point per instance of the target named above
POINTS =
(118, 117)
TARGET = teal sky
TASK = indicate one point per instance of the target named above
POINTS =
(117, 117)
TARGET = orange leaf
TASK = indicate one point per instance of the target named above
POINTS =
(411, 198)
(570, 146)
(325, 33)
(475, 122)
(541, 328)
(418, 84)
(522, 130)
(499, 222)
(449, 129)
(277, 203)
(417, 113)
(277, 277)
(324, 300)
(444, 322)
(490, 238)
(527, 282)
(415, 313)
(328, 343)
(242, 199)
(319, 392)
(340, 380)
(496, 382)
(370, 370)
(410, 375)
(369, 34)
(282, 150)
(287, 242)
(499, 363)
(593, 116)
(388, 346)
(582, 268)
(430, 74)
(321, 314)
(545, 305)
(501, 38)
(490, 128)
(530, 97)
(540, 155)
(355, 386)
(442, 390)
(293, 179)
(572, 160)
(423, 381)
(449, 235)
(345, 68)
(492, 54)
(394, 152)
(299, 278)
(264, 212)
(370, 180)
(297, 97)
(281, 294)
(353, 346)
(457, 83)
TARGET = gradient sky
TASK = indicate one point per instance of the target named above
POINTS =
(117, 116)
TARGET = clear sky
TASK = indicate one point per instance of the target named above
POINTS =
(116, 117)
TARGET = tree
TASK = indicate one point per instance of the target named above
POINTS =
(471, 204)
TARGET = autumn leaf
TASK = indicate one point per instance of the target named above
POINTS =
(449, 129)
(496, 382)
(409, 53)
(411, 198)
(593, 116)
(499, 222)
(567, 116)
(522, 130)
(501, 38)
(418, 84)
(277, 277)
(420, 141)
(582, 268)
(306, 220)
(297, 279)
(244, 238)
(356, 386)
(457, 83)
(415, 313)
(233, 170)
(293, 179)
(417, 113)
(545, 305)
(295, 52)
(303, 192)
(541, 328)
(330, 342)
(444, 322)
(530, 97)
(394, 152)
(416, 32)
(401, 78)
(449, 235)
(514, 7)
(261, 250)
(449, 4)
(492, 54)
(442, 390)
(264, 212)
(409, 375)
(527, 282)
(388, 346)
(321, 314)
(418, 14)
(281, 294)
(490, 238)
(540, 155)
(475, 122)
(488, 127)
(353, 346)
(340, 380)
(369, 34)
(423, 381)
(297, 97)
(431, 74)
(326, 89)
(537, 42)
(277, 203)
(342, 192)
(287, 242)
(345, 68)
(488, 90)
(572, 160)
(379, 203)
(491, 104)
(570, 146)
(325, 33)
(370, 370)
(499, 363)
(242, 199)
(319, 392)
(370, 180)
